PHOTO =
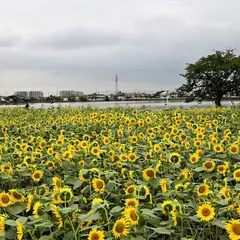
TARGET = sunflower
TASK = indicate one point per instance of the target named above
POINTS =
(149, 174)
(36, 207)
(3, 217)
(29, 203)
(95, 151)
(121, 228)
(236, 175)
(194, 158)
(131, 190)
(132, 157)
(163, 184)
(133, 139)
(56, 183)
(123, 157)
(50, 164)
(106, 140)
(233, 229)
(50, 151)
(96, 201)
(98, 185)
(156, 148)
(81, 163)
(65, 194)
(57, 215)
(131, 202)
(37, 176)
(85, 224)
(203, 189)
(96, 235)
(131, 214)
(222, 169)
(175, 158)
(209, 166)
(19, 231)
(167, 206)
(225, 193)
(233, 149)
(218, 148)
(174, 217)
(16, 196)
(179, 187)
(5, 199)
(56, 198)
(206, 212)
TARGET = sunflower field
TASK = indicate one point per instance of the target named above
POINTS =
(119, 173)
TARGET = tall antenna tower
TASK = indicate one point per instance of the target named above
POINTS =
(116, 85)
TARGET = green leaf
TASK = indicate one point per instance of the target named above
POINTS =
(45, 237)
(10, 223)
(16, 208)
(110, 186)
(22, 220)
(71, 180)
(115, 210)
(148, 212)
(219, 223)
(89, 217)
(77, 184)
(198, 169)
(162, 230)
(222, 202)
(65, 210)
(44, 224)
(194, 218)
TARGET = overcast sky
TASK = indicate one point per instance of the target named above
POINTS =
(51, 45)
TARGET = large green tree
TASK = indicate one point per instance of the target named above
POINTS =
(211, 77)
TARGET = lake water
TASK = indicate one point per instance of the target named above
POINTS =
(136, 104)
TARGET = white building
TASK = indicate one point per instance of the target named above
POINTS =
(23, 94)
(36, 94)
(70, 93)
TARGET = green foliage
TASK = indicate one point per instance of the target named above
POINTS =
(212, 77)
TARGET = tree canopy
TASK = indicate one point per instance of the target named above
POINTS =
(212, 77)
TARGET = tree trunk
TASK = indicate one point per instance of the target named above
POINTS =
(218, 101)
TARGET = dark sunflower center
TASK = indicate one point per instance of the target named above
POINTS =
(132, 157)
(95, 236)
(236, 228)
(150, 173)
(131, 203)
(221, 168)
(202, 189)
(234, 149)
(131, 190)
(37, 175)
(206, 212)
(99, 185)
(209, 165)
(237, 174)
(120, 227)
(5, 199)
(133, 216)
(16, 195)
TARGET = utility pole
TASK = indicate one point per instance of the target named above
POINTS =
(116, 85)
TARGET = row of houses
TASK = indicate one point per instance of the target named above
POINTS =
(39, 94)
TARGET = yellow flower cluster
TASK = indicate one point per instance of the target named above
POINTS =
(89, 173)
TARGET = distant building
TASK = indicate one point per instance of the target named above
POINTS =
(23, 94)
(36, 94)
(70, 93)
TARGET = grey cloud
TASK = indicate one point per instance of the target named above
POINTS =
(80, 37)
(146, 44)
(8, 39)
